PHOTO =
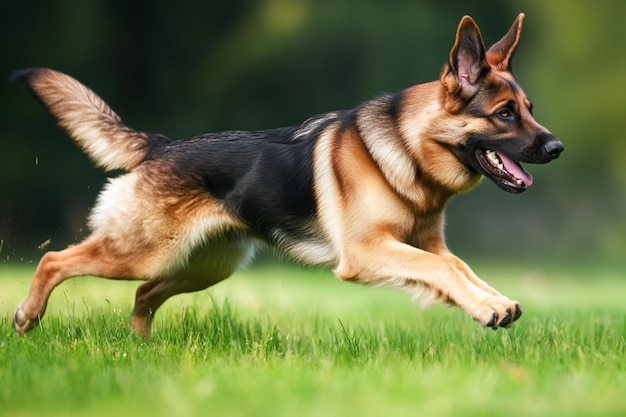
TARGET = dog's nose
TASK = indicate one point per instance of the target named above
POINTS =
(554, 147)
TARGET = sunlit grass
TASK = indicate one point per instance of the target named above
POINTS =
(281, 341)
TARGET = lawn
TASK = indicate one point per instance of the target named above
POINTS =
(281, 341)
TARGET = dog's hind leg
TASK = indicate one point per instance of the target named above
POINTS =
(146, 229)
(152, 294)
(92, 257)
(210, 264)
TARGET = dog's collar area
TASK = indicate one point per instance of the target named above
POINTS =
(503, 171)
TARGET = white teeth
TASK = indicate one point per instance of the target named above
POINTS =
(520, 182)
(493, 156)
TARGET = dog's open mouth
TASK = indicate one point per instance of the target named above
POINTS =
(505, 172)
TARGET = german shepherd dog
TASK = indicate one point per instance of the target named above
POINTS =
(362, 191)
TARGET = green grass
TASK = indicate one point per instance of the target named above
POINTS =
(280, 341)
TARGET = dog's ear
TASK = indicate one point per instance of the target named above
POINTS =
(501, 53)
(466, 62)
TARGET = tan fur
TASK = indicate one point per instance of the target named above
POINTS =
(94, 129)
(375, 226)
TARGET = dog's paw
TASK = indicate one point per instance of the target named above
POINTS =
(21, 322)
(499, 312)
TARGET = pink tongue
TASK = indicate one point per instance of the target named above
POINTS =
(516, 170)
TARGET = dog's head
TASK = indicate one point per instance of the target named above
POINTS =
(500, 131)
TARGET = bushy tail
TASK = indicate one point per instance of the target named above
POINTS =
(88, 119)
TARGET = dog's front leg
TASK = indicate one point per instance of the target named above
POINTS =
(468, 273)
(429, 276)
(471, 276)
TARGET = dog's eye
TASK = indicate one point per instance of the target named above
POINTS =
(505, 114)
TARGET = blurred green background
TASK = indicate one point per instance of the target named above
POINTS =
(187, 68)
